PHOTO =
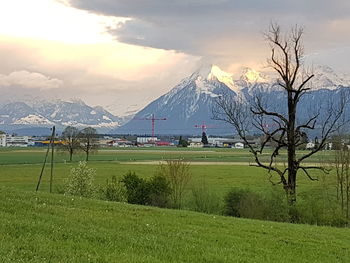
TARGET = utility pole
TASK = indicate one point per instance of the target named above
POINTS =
(45, 159)
(52, 152)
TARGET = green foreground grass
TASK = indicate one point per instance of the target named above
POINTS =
(42, 227)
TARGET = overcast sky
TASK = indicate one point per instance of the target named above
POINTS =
(120, 53)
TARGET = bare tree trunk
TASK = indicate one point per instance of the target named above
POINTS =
(71, 155)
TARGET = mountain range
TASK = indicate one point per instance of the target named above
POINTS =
(16, 116)
(189, 104)
(186, 107)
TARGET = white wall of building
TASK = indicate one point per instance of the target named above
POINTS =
(17, 141)
(146, 139)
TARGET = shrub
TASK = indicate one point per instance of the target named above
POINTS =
(318, 209)
(137, 190)
(232, 202)
(276, 206)
(159, 191)
(80, 181)
(177, 173)
(203, 200)
(113, 191)
(252, 205)
(154, 191)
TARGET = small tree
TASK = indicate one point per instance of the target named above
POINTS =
(88, 141)
(204, 139)
(70, 141)
(177, 172)
(80, 181)
(182, 142)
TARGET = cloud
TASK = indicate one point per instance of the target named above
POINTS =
(222, 29)
(26, 79)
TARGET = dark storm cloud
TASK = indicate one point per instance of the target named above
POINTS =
(190, 8)
(222, 28)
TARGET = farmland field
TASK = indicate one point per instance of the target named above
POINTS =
(39, 227)
(221, 169)
(36, 155)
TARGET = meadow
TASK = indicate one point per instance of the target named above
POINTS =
(219, 169)
(36, 155)
(43, 227)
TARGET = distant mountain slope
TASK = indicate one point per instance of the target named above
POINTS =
(20, 115)
(191, 101)
(187, 104)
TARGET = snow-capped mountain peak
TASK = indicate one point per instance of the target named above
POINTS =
(208, 74)
(252, 76)
(57, 112)
(325, 77)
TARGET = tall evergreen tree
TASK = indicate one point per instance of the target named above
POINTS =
(204, 139)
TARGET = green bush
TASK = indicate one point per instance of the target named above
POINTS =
(137, 190)
(276, 205)
(155, 191)
(159, 191)
(252, 205)
(243, 203)
(81, 181)
(113, 191)
(232, 202)
(203, 200)
(319, 209)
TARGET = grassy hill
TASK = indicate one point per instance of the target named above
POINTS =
(39, 227)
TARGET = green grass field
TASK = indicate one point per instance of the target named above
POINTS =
(43, 227)
(36, 155)
(54, 228)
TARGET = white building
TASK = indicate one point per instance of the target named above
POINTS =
(17, 141)
(239, 145)
(310, 146)
(212, 141)
(2, 140)
(196, 145)
(145, 140)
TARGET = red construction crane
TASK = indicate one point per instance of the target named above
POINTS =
(204, 126)
(153, 119)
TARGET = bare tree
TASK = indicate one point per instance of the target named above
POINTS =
(71, 142)
(88, 141)
(178, 174)
(289, 129)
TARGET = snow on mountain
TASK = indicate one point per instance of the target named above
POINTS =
(187, 104)
(326, 78)
(57, 112)
(33, 119)
(191, 101)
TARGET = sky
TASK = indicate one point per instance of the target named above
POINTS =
(122, 54)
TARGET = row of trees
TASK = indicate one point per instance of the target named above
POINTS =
(74, 140)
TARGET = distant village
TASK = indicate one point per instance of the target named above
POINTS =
(13, 140)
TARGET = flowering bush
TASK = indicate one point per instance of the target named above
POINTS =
(80, 181)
